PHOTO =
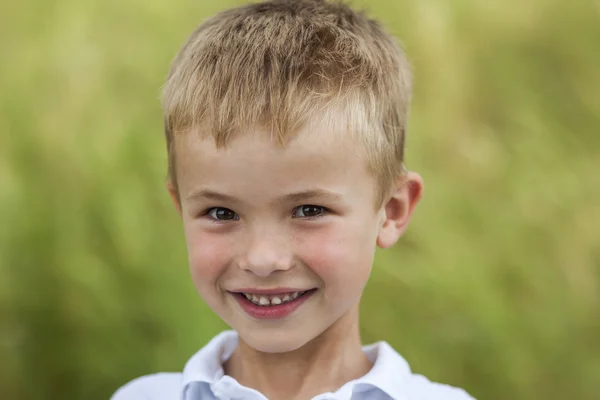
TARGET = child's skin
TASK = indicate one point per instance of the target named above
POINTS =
(268, 240)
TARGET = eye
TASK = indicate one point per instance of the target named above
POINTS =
(309, 211)
(222, 214)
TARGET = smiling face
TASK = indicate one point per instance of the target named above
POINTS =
(263, 221)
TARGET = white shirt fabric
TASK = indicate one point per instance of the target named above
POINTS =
(203, 379)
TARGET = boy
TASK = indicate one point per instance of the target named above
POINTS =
(285, 129)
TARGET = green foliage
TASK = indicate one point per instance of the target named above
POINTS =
(495, 288)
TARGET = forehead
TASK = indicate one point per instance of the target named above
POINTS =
(255, 164)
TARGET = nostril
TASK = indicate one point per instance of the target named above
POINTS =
(265, 264)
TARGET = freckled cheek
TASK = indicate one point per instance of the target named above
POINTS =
(209, 254)
(340, 255)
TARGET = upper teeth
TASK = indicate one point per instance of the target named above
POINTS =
(266, 300)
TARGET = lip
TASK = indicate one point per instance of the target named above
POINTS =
(272, 312)
(280, 290)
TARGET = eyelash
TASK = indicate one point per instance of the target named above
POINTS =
(324, 212)
(216, 220)
(220, 221)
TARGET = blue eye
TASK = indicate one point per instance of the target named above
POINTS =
(222, 214)
(309, 211)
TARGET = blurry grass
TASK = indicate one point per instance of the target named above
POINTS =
(496, 287)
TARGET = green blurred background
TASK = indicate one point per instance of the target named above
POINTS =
(496, 287)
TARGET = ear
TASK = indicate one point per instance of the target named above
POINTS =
(399, 208)
(172, 188)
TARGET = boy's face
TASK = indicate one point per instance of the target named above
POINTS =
(258, 216)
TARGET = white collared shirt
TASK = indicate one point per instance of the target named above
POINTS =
(203, 379)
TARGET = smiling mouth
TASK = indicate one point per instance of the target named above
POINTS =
(274, 299)
(270, 300)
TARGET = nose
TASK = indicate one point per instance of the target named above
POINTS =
(265, 252)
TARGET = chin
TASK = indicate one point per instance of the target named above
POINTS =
(274, 341)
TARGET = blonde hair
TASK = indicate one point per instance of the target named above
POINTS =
(283, 63)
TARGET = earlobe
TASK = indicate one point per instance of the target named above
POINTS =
(172, 189)
(399, 208)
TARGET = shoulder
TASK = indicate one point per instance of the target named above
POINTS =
(421, 388)
(392, 374)
(162, 386)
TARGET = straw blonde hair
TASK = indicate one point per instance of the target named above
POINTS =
(282, 63)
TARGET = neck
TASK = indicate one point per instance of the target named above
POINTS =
(322, 365)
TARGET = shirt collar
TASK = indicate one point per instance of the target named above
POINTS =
(387, 374)
(389, 371)
(207, 364)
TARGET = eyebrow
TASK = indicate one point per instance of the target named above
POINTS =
(288, 198)
(210, 195)
(310, 194)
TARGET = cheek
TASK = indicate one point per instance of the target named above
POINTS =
(207, 255)
(340, 254)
